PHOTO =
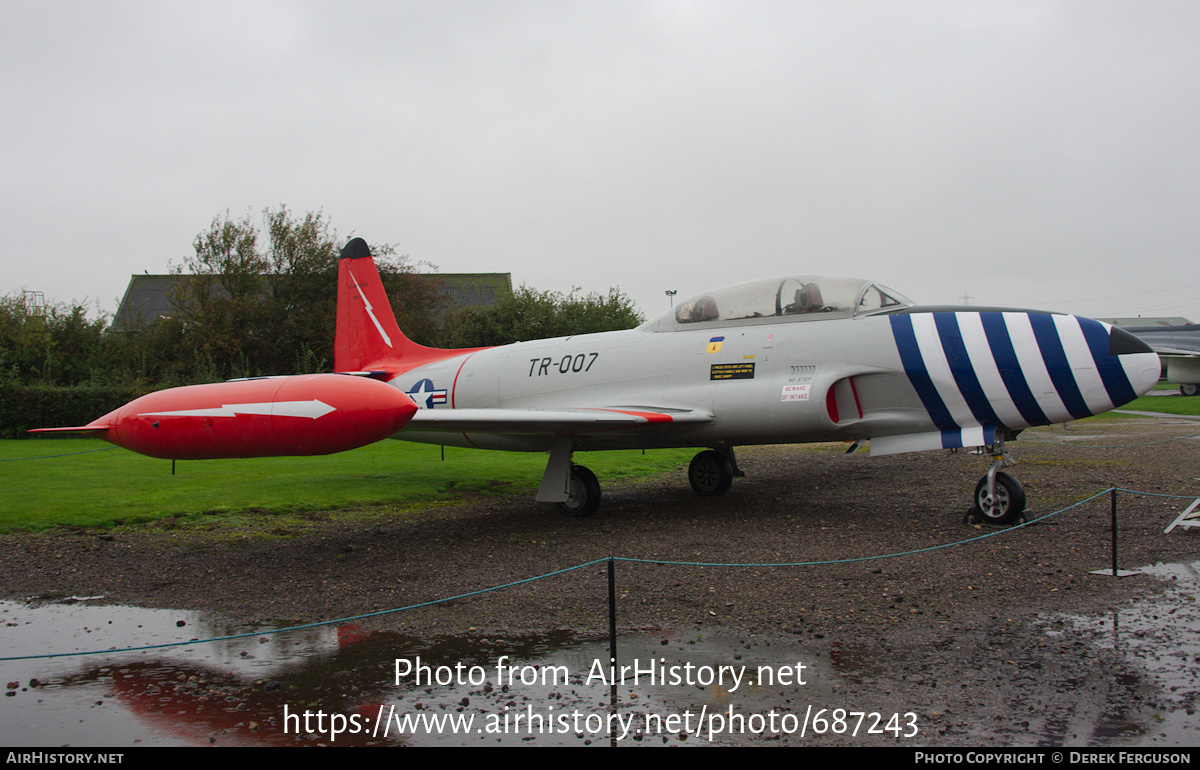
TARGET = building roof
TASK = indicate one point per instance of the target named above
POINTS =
(148, 296)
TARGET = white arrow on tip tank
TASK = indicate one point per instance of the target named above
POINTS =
(311, 409)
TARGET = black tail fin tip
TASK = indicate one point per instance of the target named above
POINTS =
(357, 248)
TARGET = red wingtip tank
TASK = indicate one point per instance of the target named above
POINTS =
(311, 414)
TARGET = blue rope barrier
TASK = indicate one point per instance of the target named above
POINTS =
(594, 562)
(1155, 494)
(309, 625)
(51, 457)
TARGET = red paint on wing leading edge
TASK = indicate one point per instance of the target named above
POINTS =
(647, 416)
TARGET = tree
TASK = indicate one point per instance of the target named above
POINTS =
(222, 309)
(266, 303)
(50, 345)
(529, 314)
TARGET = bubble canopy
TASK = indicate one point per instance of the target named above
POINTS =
(785, 298)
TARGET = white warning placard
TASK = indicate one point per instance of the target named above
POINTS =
(794, 393)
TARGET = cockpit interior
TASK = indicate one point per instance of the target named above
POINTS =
(786, 298)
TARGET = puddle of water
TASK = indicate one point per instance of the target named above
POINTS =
(343, 686)
(169, 696)
(1160, 638)
(297, 687)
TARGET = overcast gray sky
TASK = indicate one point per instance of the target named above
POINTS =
(1032, 154)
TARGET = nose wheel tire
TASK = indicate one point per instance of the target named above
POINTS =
(1005, 506)
(584, 494)
(710, 473)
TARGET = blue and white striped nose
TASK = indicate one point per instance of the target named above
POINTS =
(1016, 369)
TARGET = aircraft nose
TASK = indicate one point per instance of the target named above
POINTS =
(1138, 359)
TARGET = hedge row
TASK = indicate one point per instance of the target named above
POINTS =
(23, 407)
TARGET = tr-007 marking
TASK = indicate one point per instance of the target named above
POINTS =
(579, 362)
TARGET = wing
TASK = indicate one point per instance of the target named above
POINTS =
(549, 421)
(553, 430)
(1169, 340)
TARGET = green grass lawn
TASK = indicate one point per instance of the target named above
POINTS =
(1172, 404)
(115, 486)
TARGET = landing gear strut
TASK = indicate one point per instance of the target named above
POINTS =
(571, 487)
(999, 498)
(583, 494)
(712, 471)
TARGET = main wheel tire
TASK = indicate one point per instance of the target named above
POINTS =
(584, 493)
(1006, 506)
(1189, 389)
(710, 473)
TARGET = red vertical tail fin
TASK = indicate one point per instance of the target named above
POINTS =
(367, 332)
(368, 337)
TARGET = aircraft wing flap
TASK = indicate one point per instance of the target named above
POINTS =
(541, 421)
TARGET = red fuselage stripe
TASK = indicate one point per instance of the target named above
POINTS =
(454, 385)
(454, 389)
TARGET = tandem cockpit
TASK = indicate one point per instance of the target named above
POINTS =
(784, 298)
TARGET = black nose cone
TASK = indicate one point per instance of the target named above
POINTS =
(1121, 342)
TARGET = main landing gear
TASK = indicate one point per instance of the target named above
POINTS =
(576, 493)
(573, 488)
(583, 494)
(999, 498)
(712, 471)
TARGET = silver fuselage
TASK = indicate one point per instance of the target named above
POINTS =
(802, 379)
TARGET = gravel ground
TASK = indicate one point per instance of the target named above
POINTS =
(965, 636)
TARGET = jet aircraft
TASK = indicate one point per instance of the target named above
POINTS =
(791, 359)
(1179, 347)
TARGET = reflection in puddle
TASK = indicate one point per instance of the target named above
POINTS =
(296, 687)
(299, 687)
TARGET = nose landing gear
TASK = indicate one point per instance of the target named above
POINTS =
(999, 498)
(1003, 503)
